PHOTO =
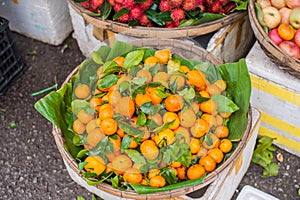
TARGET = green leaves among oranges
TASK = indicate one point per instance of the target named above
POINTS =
(211, 72)
(136, 156)
(125, 142)
(150, 109)
(108, 81)
(110, 67)
(102, 148)
(142, 119)
(225, 105)
(78, 105)
(127, 128)
(133, 58)
(96, 58)
(146, 120)
(173, 66)
(187, 93)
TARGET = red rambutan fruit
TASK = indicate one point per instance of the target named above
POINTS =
(129, 3)
(190, 4)
(200, 2)
(217, 8)
(97, 3)
(144, 20)
(124, 18)
(177, 14)
(136, 12)
(119, 1)
(169, 25)
(147, 4)
(172, 24)
(175, 3)
(209, 3)
(164, 6)
(85, 4)
(118, 7)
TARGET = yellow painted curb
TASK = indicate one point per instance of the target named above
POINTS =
(275, 90)
(279, 124)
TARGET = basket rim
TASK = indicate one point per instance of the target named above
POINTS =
(141, 31)
(158, 195)
(131, 194)
(269, 46)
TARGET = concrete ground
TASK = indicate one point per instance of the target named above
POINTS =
(31, 166)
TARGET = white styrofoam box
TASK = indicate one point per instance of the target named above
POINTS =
(233, 41)
(250, 193)
(277, 95)
(217, 190)
(230, 43)
(83, 32)
(44, 20)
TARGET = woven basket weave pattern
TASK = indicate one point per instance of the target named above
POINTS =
(156, 32)
(189, 51)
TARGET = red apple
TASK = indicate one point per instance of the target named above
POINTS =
(278, 3)
(271, 17)
(273, 34)
(264, 3)
(285, 15)
(297, 37)
(290, 48)
(292, 3)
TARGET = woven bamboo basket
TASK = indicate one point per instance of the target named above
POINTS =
(276, 55)
(156, 32)
(186, 50)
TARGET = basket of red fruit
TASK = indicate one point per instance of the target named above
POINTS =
(148, 18)
(276, 25)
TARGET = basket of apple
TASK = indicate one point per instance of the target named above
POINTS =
(154, 18)
(276, 25)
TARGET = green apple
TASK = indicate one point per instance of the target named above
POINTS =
(295, 18)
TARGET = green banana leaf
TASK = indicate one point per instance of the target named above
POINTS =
(142, 189)
(56, 106)
(239, 87)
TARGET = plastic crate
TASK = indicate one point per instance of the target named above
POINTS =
(11, 63)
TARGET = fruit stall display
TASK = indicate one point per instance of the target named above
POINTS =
(137, 120)
(276, 25)
(149, 18)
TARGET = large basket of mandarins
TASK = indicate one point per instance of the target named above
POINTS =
(148, 18)
(276, 25)
(152, 119)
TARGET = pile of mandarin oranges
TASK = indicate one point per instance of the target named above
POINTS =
(155, 116)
